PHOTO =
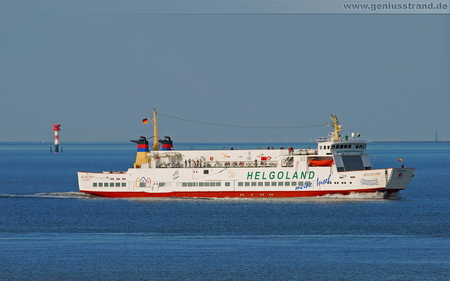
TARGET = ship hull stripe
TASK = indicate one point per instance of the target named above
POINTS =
(234, 194)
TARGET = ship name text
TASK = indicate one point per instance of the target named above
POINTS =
(281, 175)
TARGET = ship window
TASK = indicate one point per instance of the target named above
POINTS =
(274, 183)
(280, 183)
(124, 179)
(254, 183)
(206, 183)
(100, 184)
(201, 184)
(300, 183)
(247, 183)
(227, 184)
(260, 183)
(205, 172)
(352, 163)
(124, 184)
(266, 183)
(308, 183)
(117, 184)
(287, 183)
(189, 183)
(95, 184)
(240, 183)
(105, 184)
(218, 183)
(184, 184)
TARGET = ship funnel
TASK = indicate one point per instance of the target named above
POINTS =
(167, 143)
(142, 151)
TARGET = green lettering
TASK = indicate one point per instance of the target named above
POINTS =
(249, 175)
(295, 176)
(280, 175)
(263, 177)
(257, 175)
(311, 175)
(272, 175)
(287, 176)
(303, 176)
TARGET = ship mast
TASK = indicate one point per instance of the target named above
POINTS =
(155, 131)
(337, 128)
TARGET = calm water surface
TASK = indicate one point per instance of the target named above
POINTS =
(50, 231)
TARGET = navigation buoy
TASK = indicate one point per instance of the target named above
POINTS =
(56, 129)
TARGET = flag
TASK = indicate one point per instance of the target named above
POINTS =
(145, 121)
(400, 160)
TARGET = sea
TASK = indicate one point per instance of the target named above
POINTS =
(50, 231)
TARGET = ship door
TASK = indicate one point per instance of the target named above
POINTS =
(155, 186)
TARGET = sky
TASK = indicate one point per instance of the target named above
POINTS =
(99, 67)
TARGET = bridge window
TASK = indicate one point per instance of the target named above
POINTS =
(353, 163)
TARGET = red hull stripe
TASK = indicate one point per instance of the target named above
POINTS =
(231, 194)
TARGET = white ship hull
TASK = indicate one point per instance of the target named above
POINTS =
(242, 182)
(335, 167)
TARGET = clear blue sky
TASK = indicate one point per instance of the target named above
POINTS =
(99, 67)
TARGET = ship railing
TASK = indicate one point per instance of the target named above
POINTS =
(300, 151)
(219, 164)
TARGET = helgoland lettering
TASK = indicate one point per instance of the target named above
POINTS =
(281, 175)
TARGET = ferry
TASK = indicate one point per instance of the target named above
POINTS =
(339, 165)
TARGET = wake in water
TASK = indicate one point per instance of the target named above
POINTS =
(354, 195)
(72, 194)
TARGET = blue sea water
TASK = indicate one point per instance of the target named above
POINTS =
(49, 231)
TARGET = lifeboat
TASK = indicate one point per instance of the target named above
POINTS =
(321, 163)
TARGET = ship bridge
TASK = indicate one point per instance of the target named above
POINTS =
(348, 152)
